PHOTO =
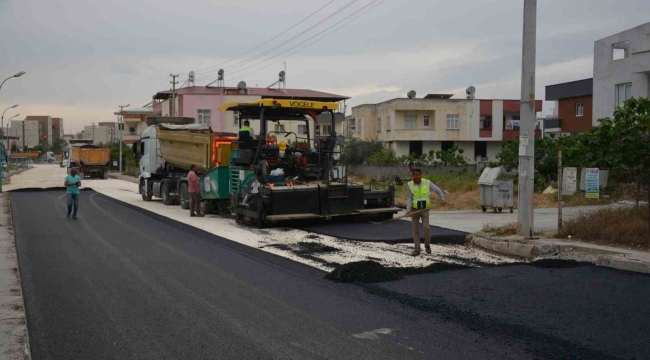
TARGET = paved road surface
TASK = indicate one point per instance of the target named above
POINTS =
(121, 284)
(118, 284)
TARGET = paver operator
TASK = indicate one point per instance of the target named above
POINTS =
(247, 127)
(418, 199)
(72, 182)
(193, 190)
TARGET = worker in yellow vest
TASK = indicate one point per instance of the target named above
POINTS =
(418, 199)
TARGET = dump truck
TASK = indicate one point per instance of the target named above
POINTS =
(91, 160)
(167, 150)
(298, 178)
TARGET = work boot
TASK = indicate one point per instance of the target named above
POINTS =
(200, 215)
(192, 215)
(427, 248)
(415, 252)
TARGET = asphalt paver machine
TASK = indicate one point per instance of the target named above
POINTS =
(283, 174)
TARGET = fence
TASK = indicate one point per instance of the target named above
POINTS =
(389, 171)
(604, 205)
(131, 170)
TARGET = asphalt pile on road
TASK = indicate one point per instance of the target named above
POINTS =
(362, 272)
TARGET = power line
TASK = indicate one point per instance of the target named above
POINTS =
(317, 40)
(300, 43)
(267, 41)
(289, 40)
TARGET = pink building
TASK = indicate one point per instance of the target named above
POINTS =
(202, 103)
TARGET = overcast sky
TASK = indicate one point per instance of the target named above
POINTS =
(83, 58)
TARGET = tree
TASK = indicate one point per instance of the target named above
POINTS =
(59, 145)
(357, 151)
(383, 157)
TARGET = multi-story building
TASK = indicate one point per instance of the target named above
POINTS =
(57, 128)
(112, 129)
(27, 132)
(45, 129)
(134, 123)
(100, 135)
(621, 70)
(202, 103)
(573, 105)
(438, 122)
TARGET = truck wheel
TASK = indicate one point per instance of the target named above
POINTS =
(185, 199)
(206, 208)
(143, 192)
(164, 192)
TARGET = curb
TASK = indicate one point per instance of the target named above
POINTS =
(530, 251)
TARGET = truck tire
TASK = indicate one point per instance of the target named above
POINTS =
(164, 193)
(143, 191)
(185, 198)
(206, 208)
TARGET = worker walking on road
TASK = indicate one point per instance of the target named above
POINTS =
(194, 191)
(72, 183)
(418, 199)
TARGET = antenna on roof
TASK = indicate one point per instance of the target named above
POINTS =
(411, 94)
(470, 91)
(220, 79)
(282, 80)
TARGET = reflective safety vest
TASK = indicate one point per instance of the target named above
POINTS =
(247, 128)
(420, 195)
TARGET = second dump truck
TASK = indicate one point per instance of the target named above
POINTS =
(91, 160)
(169, 147)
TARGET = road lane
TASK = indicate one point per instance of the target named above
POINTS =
(118, 283)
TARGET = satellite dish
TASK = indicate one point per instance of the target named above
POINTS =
(470, 91)
(282, 73)
(241, 85)
(220, 72)
(191, 73)
(411, 94)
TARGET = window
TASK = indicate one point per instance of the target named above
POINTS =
(620, 50)
(486, 123)
(316, 130)
(204, 117)
(302, 129)
(410, 122)
(378, 124)
(388, 123)
(480, 149)
(327, 129)
(452, 121)
(132, 131)
(623, 92)
(425, 121)
(446, 145)
(235, 121)
(580, 109)
(276, 128)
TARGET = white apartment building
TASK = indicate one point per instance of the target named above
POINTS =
(438, 122)
(100, 135)
(27, 132)
(621, 70)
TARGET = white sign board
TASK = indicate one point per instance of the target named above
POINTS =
(569, 180)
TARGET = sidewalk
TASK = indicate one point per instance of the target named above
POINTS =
(14, 344)
(117, 175)
(607, 256)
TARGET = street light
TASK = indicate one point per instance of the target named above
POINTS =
(3, 82)
(2, 121)
(121, 131)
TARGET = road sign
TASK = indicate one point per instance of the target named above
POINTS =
(592, 190)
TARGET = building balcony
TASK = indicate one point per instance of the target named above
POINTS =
(509, 135)
(485, 133)
(552, 123)
(407, 135)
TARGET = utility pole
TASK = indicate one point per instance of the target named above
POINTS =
(174, 82)
(527, 132)
(120, 127)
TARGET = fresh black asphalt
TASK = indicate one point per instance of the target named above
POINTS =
(120, 283)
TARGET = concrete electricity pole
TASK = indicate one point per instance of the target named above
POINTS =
(120, 127)
(527, 135)
(174, 82)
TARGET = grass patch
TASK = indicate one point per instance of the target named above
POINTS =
(618, 227)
